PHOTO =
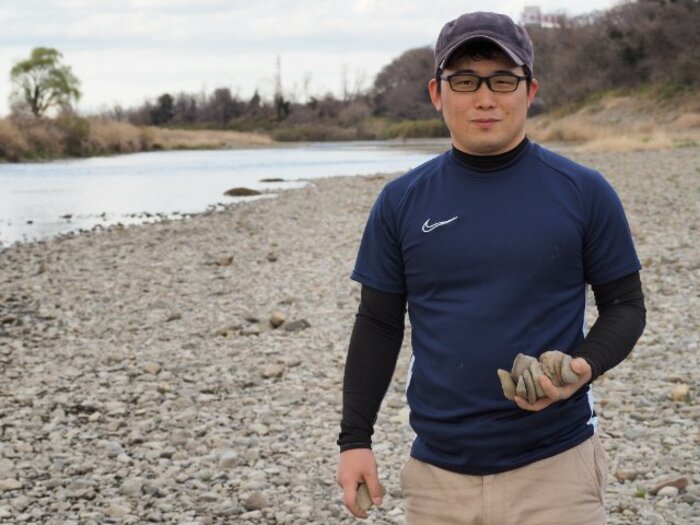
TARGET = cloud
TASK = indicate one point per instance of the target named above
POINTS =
(129, 49)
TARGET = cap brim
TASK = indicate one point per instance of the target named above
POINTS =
(518, 61)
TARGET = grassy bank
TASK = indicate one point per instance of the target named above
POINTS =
(368, 128)
(624, 121)
(30, 139)
(609, 121)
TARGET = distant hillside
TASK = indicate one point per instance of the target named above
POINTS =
(628, 47)
(632, 45)
(616, 121)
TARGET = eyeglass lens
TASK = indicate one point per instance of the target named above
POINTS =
(498, 83)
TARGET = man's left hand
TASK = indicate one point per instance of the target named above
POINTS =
(554, 394)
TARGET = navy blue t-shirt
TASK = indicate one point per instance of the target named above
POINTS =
(493, 264)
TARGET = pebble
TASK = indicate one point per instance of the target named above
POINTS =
(277, 319)
(9, 484)
(272, 370)
(131, 487)
(678, 484)
(625, 475)
(668, 491)
(113, 449)
(21, 503)
(253, 329)
(256, 501)
(118, 511)
(113, 373)
(680, 393)
(225, 508)
(6, 466)
(295, 326)
(151, 367)
(259, 428)
(229, 459)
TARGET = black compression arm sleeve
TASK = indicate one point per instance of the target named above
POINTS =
(378, 333)
(620, 323)
(374, 348)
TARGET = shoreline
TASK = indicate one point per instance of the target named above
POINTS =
(142, 218)
(28, 221)
(145, 377)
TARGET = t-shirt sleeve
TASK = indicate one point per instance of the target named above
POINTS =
(608, 250)
(379, 262)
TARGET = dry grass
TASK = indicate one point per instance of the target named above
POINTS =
(13, 145)
(688, 121)
(27, 138)
(116, 137)
(191, 139)
(625, 124)
(44, 141)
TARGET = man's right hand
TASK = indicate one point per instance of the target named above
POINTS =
(357, 466)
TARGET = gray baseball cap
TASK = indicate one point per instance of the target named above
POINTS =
(494, 27)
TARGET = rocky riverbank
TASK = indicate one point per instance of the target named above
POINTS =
(190, 371)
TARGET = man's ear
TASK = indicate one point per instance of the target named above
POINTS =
(534, 85)
(435, 95)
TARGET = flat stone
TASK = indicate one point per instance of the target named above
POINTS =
(668, 491)
(363, 498)
(678, 483)
(256, 501)
(131, 487)
(252, 515)
(151, 367)
(625, 474)
(253, 329)
(224, 261)
(229, 459)
(209, 497)
(225, 508)
(295, 326)
(6, 467)
(272, 370)
(115, 408)
(9, 484)
(113, 449)
(180, 437)
(21, 503)
(259, 428)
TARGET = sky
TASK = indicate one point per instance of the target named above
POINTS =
(127, 51)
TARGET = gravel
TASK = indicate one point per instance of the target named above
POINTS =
(190, 371)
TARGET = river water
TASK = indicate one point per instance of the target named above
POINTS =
(41, 200)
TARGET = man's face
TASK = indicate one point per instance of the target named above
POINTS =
(483, 122)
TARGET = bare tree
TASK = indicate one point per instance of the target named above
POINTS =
(401, 88)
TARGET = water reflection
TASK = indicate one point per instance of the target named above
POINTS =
(41, 200)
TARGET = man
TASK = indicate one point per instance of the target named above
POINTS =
(491, 245)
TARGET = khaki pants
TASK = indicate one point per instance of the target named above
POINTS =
(566, 489)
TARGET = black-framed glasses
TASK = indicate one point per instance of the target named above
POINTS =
(498, 83)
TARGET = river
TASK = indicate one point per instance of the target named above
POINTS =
(41, 200)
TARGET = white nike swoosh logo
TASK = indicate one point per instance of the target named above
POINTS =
(427, 228)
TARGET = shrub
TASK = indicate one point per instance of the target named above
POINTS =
(44, 139)
(313, 133)
(115, 137)
(75, 134)
(13, 146)
(408, 129)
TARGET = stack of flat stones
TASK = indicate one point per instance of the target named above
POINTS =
(524, 379)
(364, 499)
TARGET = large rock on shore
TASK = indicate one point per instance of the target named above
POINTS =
(241, 192)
